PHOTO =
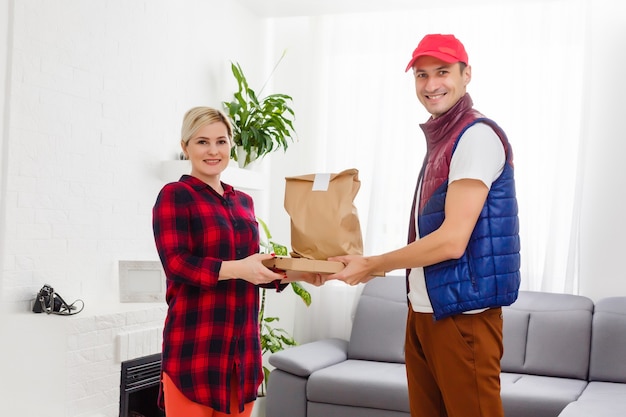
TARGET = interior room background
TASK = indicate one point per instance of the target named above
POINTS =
(94, 94)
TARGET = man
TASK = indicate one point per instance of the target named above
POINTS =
(462, 258)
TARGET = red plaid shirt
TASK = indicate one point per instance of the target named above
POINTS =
(211, 326)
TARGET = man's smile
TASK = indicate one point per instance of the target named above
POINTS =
(435, 96)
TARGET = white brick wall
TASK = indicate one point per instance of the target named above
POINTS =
(70, 366)
(97, 90)
(96, 346)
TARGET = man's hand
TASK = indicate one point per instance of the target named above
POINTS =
(358, 269)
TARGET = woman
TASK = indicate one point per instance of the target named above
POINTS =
(207, 237)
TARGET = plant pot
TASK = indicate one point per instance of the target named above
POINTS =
(241, 157)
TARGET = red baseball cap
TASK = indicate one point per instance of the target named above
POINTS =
(445, 47)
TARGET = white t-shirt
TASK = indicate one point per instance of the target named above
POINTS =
(479, 155)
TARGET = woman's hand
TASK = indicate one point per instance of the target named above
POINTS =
(250, 269)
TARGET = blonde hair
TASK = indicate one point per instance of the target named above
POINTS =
(197, 117)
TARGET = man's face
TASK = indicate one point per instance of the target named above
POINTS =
(438, 84)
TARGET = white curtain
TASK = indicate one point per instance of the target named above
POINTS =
(527, 61)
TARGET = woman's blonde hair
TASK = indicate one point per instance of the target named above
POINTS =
(197, 117)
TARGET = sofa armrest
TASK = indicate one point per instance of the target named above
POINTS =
(305, 359)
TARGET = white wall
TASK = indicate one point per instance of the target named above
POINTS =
(98, 91)
(603, 226)
(4, 93)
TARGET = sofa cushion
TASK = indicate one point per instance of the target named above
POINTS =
(378, 329)
(608, 346)
(548, 334)
(599, 399)
(361, 383)
(515, 331)
(537, 396)
(334, 410)
(303, 360)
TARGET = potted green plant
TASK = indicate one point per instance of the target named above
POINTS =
(260, 125)
(275, 339)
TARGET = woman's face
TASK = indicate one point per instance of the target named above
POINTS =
(209, 151)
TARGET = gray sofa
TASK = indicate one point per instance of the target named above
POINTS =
(605, 394)
(563, 357)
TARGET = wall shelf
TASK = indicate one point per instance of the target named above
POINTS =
(249, 179)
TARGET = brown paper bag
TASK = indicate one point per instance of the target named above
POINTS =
(324, 219)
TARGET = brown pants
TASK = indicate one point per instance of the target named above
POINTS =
(453, 364)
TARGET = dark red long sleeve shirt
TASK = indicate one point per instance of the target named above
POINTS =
(211, 326)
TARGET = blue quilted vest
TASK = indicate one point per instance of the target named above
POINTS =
(487, 275)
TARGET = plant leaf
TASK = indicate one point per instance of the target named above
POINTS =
(301, 292)
(263, 125)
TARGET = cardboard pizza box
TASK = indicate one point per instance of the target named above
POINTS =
(307, 265)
